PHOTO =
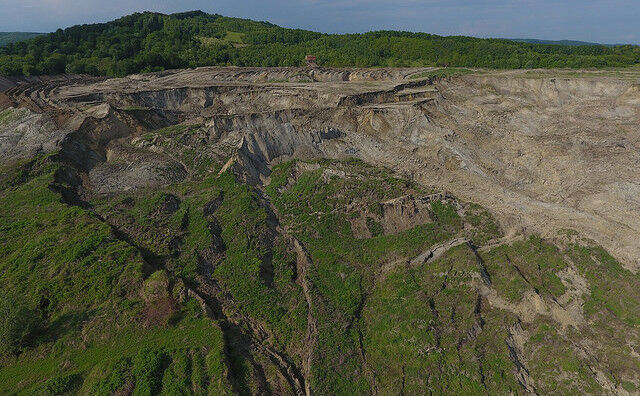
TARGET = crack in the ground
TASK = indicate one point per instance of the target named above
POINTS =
(486, 277)
(523, 376)
(437, 251)
(209, 296)
(304, 262)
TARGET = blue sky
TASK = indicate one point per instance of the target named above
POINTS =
(605, 21)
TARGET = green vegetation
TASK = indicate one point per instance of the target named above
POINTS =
(344, 267)
(151, 42)
(629, 386)
(243, 224)
(83, 332)
(555, 360)
(19, 323)
(134, 359)
(481, 227)
(11, 115)
(442, 73)
(62, 265)
(423, 330)
(14, 37)
(524, 266)
(613, 288)
(178, 140)
(236, 39)
(174, 227)
(557, 42)
(374, 227)
(99, 298)
(446, 213)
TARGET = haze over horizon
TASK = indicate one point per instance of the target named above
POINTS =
(613, 21)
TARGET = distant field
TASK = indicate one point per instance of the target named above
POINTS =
(13, 37)
(236, 39)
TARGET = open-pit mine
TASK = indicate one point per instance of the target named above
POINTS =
(354, 231)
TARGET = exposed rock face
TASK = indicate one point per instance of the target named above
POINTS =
(541, 153)
(24, 134)
(394, 216)
(402, 213)
(117, 177)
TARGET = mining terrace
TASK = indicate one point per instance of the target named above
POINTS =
(544, 151)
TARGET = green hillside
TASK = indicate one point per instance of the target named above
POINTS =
(102, 309)
(14, 37)
(558, 42)
(150, 42)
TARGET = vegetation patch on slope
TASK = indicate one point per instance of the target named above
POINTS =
(75, 289)
(101, 296)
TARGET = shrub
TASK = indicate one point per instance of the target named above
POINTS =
(62, 384)
(374, 227)
(148, 367)
(20, 322)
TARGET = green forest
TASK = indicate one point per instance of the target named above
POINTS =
(12, 37)
(145, 42)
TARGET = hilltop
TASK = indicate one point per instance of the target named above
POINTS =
(560, 42)
(145, 42)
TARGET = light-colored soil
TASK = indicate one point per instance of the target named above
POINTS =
(542, 150)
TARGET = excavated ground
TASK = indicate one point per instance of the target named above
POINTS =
(369, 265)
(544, 151)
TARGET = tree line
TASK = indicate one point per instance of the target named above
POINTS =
(145, 42)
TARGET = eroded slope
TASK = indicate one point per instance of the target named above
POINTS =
(322, 235)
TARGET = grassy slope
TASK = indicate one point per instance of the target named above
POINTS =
(422, 332)
(344, 275)
(404, 329)
(91, 283)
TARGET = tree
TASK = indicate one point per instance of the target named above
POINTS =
(149, 41)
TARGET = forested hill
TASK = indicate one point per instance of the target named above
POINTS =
(12, 37)
(560, 42)
(150, 41)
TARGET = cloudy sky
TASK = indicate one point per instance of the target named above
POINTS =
(605, 21)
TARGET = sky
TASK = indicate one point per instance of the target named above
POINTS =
(603, 21)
